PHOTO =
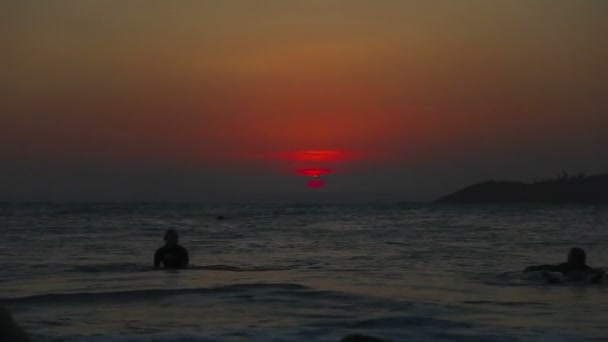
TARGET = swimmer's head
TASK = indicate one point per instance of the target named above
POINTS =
(577, 256)
(171, 237)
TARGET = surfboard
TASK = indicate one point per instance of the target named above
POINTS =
(589, 277)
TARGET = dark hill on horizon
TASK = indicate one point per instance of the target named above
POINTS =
(564, 189)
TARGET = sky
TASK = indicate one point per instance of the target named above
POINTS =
(203, 100)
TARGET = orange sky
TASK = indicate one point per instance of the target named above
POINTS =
(442, 88)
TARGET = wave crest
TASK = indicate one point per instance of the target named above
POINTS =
(143, 295)
(132, 267)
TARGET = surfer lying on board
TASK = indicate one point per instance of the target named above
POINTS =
(171, 255)
(575, 269)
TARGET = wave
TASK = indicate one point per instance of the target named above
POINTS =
(133, 267)
(168, 337)
(500, 303)
(107, 268)
(400, 322)
(94, 209)
(153, 294)
(518, 278)
(183, 337)
(229, 268)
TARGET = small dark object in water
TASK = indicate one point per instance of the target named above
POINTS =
(219, 217)
(360, 338)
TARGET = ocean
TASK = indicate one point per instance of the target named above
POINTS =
(83, 272)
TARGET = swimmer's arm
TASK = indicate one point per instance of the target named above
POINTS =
(546, 268)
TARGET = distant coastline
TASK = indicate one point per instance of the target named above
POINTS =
(564, 189)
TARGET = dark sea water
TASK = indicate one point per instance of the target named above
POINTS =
(301, 272)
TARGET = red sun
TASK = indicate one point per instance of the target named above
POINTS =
(320, 155)
(313, 156)
(314, 163)
(316, 183)
(314, 172)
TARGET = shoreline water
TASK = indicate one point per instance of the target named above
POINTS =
(301, 273)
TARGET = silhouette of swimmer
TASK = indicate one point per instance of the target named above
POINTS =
(219, 217)
(577, 262)
(171, 255)
(575, 269)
